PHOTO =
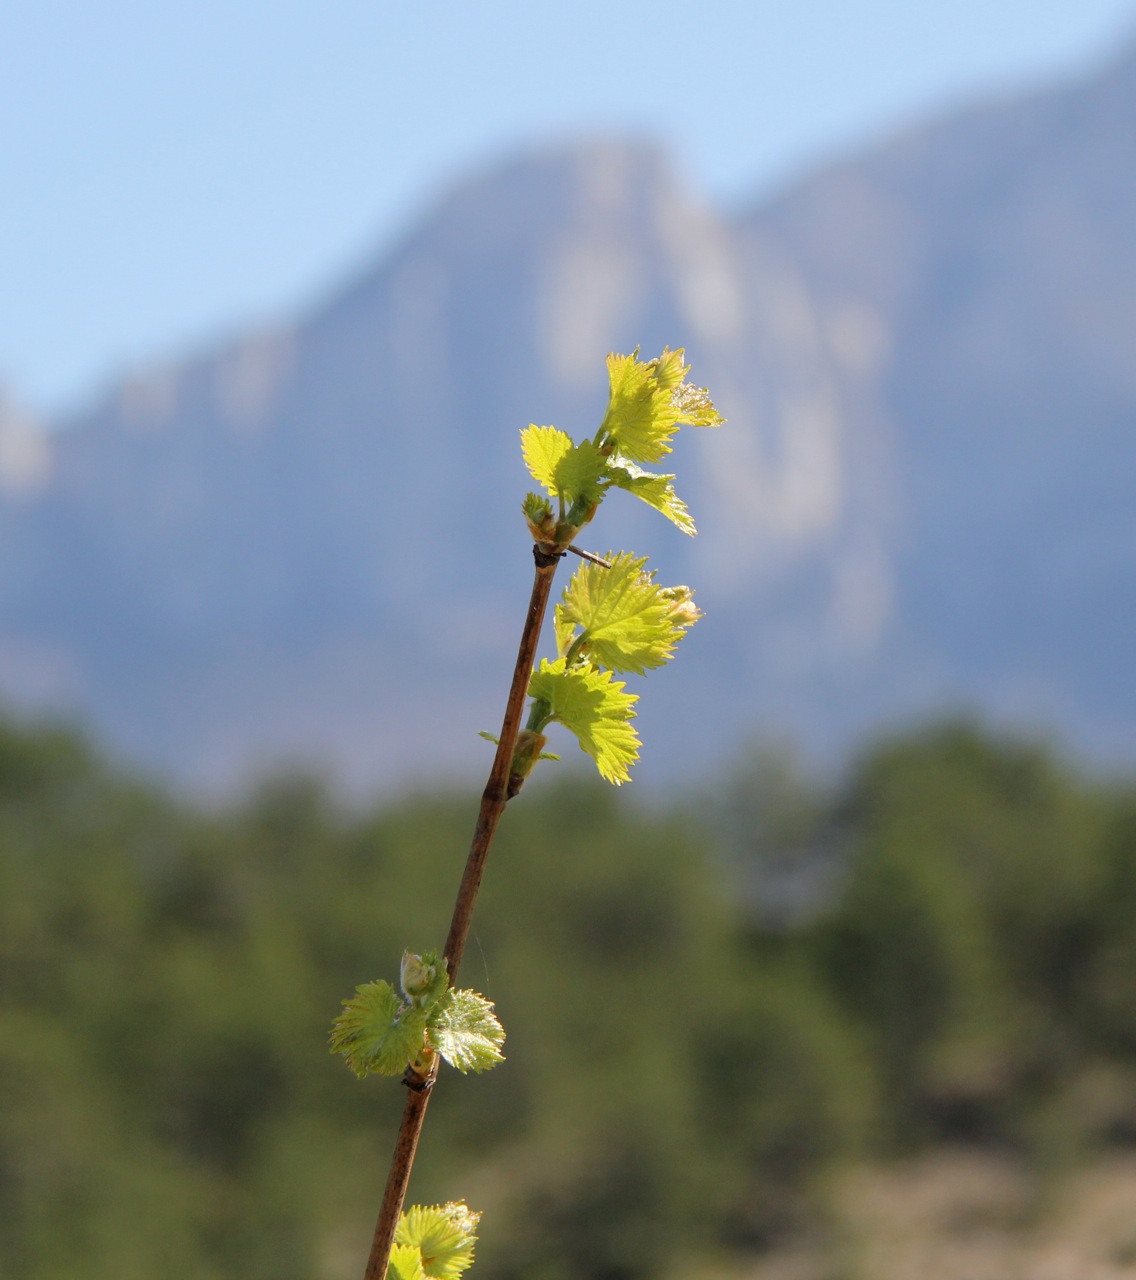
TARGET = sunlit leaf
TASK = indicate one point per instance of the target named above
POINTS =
(594, 707)
(443, 1236)
(406, 1263)
(625, 620)
(648, 402)
(465, 1031)
(543, 449)
(566, 470)
(655, 490)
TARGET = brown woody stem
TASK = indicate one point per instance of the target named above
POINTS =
(493, 801)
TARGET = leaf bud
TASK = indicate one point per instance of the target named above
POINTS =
(694, 406)
(526, 753)
(418, 974)
(539, 517)
(680, 605)
(462, 1216)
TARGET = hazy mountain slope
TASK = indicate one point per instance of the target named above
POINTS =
(310, 541)
(991, 260)
(306, 543)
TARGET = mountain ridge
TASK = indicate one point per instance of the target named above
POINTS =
(303, 544)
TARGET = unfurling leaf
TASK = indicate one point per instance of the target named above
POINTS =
(378, 1033)
(442, 1236)
(648, 402)
(464, 1029)
(626, 621)
(594, 707)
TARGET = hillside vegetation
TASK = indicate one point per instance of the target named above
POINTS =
(692, 1063)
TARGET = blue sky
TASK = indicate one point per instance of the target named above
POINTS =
(172, 171)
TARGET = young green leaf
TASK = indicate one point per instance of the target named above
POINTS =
(655, 490)
(566, 470)
(580, 471)
(406, 1263)
(647, 403)
(543, 449)
(626, 621)
(465, 1031)
(377, 1032)
(443, 1236)
(594, 707)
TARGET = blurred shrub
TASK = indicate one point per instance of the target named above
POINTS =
(978, 905)
(685, 1061)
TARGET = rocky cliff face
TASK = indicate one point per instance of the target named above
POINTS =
(306, 544)
(993, 257)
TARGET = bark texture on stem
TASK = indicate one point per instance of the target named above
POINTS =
(402, 1161)
(493, 801)
(496, 793)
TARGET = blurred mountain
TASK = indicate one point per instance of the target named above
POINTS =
(306, 544)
